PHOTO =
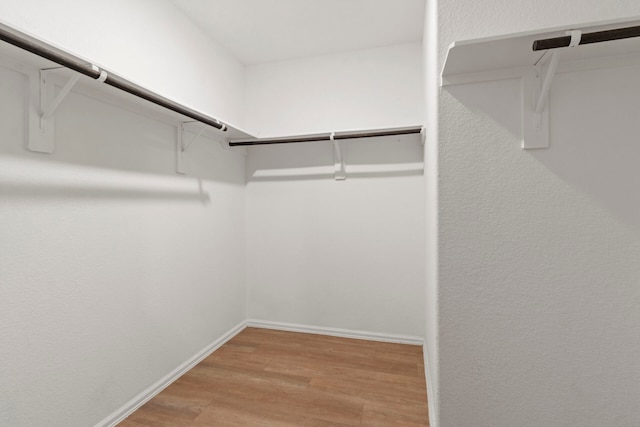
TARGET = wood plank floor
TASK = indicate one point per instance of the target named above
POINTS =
(271, 378)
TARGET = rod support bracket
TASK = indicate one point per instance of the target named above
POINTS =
(183, 142)
(42, 105)
(543, 94)
(49, 106)
(340, 173)
(535, 125)
(535, 95)
(103, 74)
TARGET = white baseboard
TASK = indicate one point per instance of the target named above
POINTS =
(431, 397)
(336, 332)
(142, 398)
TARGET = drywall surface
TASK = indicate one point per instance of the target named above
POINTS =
(149, 42)
(539, 304)
(364, 89)
(431, 75)
(259, 31)
(342, 254)
(115, 270)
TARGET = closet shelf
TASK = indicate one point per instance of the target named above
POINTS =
(47, 68)
(510, 56)
(31, 56)
(522, 55)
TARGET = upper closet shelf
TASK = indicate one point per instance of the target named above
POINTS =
(535, 58)
(51, 73)
(512, 55)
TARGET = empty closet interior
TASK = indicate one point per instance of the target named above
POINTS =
(421, 172)
(146, 231)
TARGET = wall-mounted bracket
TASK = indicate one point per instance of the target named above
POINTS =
(340, 173)
(48, 107)
(535, 97)
(535, 110)
(183, 142)
(423, 135)
(43, 104)
(535, 125)
(543, 94)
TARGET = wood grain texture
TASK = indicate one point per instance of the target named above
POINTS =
(264, 377)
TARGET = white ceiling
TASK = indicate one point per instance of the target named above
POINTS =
(257, 31)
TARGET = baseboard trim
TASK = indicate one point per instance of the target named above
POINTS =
(336, 332)
(431, 399)
(142, 398)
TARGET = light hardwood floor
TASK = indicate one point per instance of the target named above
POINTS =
(272, 378)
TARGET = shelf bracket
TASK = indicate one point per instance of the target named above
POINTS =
(543, 95)
(43, 104)
(340, 173)
(50, 103)
(535, 117)
(49, 108)
(183, 143)
(535, 97)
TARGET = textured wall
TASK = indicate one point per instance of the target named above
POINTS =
(538, 298)
(114, 270)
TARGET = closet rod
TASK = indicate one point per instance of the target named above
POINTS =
(588, 38)
(325, 137)
(47, 51)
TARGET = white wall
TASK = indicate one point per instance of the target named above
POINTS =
(365, 89)
(114, 269)
(432, 78)
(337, 254)
(342, 254)
(147, 41)
(538, 272)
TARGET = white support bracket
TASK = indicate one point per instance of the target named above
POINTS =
(340, 173)
(535, 125)
(43, 104)
(49, 108)
(423, 135)
(183, 143)
(535, 96)
(543, 95)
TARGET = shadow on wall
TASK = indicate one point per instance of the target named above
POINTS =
(134, 155)
(593, 130)
(26, 179)
(396, 156)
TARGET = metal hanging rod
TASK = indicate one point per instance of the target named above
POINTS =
(45, 50)
(596, 37)
(325, 137)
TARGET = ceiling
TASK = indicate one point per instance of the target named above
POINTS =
(257, 31)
